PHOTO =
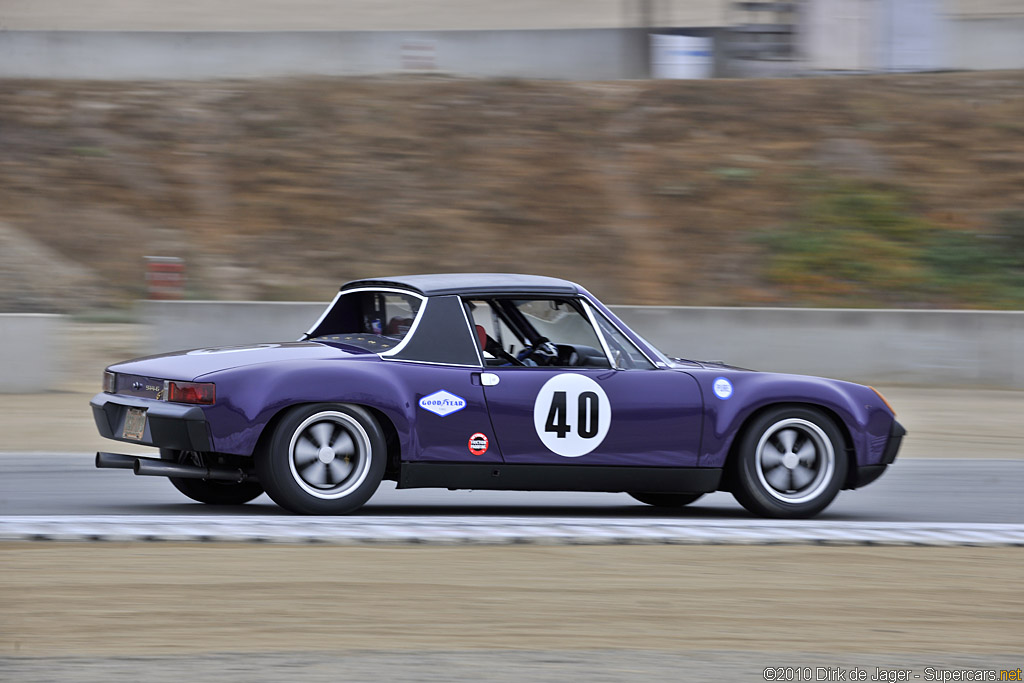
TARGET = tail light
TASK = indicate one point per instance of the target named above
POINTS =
(109, 382)
(202, 393)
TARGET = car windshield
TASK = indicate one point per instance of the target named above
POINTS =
(371, 320)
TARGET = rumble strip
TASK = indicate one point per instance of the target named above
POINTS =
(503, 531)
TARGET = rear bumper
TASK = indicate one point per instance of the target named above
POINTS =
(168, 425)
(868, 473)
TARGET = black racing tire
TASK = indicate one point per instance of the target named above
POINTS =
(667, 500)
(323, 459)
(210, 492)
(790, 462)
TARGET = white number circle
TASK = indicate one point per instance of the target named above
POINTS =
(571, 415)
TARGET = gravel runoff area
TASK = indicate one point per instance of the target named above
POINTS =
(238, 612)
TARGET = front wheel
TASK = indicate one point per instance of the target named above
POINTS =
(791, 462)
(667, 500)
(209, 492)
(323, 459)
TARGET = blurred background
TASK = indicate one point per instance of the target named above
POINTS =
(381, 137)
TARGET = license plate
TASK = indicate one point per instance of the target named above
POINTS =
(134, 424)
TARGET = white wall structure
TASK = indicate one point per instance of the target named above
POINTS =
(30, 345)
(986, 34)
(875, 35)
(685, 57)
(929, 348)
(352, 15)
(837, 34)
(912, 35)
(987, 42)
(585, 54)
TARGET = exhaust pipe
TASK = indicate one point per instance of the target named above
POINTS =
(150, 467)
(115, 461)
(154, 467)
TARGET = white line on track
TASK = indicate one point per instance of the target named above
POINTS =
(452, 530)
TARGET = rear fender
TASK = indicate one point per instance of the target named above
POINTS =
(249, 398)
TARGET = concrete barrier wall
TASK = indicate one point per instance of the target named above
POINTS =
(30, 345)
(584, 54)
(941, 348)
(176, 325)
(937, 348)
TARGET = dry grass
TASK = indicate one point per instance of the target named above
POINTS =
(648, 192)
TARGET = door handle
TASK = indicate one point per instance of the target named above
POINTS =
(487, 379)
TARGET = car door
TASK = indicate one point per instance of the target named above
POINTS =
(595, 416)
(629, 412)
(451, 423)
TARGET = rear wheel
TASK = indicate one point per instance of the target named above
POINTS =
(323, 459)
(667, 500)
(210, 492)
(791, 462)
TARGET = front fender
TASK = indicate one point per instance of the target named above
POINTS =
(863, 416)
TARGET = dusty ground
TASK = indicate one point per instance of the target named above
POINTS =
(67, 599)
(943, 422)
(648, 192)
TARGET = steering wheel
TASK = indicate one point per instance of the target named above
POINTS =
(542, 351)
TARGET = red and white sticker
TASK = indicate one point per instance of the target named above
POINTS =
(478, 444)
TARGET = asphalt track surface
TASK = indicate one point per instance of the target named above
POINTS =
(914, 490)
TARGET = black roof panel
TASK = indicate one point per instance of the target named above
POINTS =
(471, 283)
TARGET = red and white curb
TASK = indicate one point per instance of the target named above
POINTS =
(360, 530)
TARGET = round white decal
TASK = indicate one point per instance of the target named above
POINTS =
(722, 388)
(571, 415)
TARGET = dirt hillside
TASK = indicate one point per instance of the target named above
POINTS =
(647, 192)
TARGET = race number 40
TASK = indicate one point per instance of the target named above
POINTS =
(571, 415)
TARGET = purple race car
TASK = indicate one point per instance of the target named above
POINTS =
(486, 381)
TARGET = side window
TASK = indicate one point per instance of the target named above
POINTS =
(559, 321)
(624, 352)
(388, 314)
(536, 333)
(371, 320)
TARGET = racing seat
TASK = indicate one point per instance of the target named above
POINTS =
(500, 356)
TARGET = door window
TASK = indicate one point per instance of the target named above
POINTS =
(551, 332)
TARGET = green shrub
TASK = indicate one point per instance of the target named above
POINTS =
(864, 245)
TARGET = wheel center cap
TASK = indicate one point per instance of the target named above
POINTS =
(789, 460)
(326, 455)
